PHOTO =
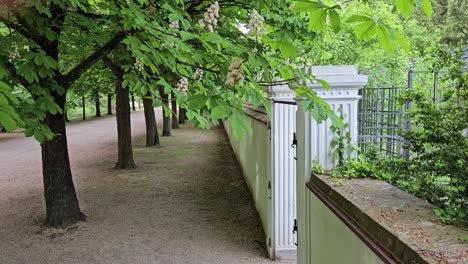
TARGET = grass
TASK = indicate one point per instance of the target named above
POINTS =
(90, 109)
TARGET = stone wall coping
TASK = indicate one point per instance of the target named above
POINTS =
(257, 113)
(401, 226)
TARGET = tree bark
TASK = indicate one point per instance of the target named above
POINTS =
(133, 102)
(83, 102)
(61, 201)
(65, 114)
(175, 122)
(98, 104)
(109, 104)
(152, 137)
(166, 118)
(181, 115)
(124, 131)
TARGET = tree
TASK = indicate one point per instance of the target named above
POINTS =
(152, 137)
(133, 102)
(181, 115)
(109, 103)
(166, 113)
(42, 29)
(175, 122)
(124, 131)
(97, 104)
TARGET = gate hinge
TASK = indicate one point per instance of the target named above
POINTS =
(269, 188)
(295, 228)
(269, 128)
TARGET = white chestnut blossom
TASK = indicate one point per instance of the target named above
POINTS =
(139, 66)
(198, 75)
(210, 18)
(174, 25)
(259, 76)
(255, 25)
(236, 73)
(201, 22)
(14, 55)
(182, 85)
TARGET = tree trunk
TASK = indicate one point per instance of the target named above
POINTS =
(109, 104)
(166, 118)
(61, 202)
(65, 114)
(98, 104)
(133, 102)
(83, 102)
(124, 130)
(2, 129)
(175, 122)
(181, 115)
(152, 137)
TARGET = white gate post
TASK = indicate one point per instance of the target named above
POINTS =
(314, 139)
(283, 171)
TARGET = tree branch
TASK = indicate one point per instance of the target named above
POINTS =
(23, 30)
(114, 67)
(79, 69)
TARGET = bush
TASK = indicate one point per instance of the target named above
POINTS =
(438, 142)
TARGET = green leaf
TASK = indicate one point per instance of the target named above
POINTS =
(29, 132)
(186, 35)
(358, 18)
(304, 6)
(324, 83)
(7, 121)
(403, 42)
(220, 112)
(288, 50)
(366, 30)
(335, 21)
(240, 124)
(3, 99)
(426, 6)
(405, 7)
(287, 72)
(385, 38)
(318, 20)
(197, 102)
(39, 136)
(43, 10)
(215, 39)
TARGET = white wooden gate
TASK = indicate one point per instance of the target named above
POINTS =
(283, 171)
(314, 139)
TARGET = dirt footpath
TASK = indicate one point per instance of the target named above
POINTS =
(185, 203)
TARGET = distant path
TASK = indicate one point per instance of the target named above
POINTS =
(185, 203)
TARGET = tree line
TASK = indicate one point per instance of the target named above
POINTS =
(207, 57)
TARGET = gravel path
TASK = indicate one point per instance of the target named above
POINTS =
(185, 203)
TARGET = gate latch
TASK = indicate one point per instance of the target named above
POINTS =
(295, 228)
(294, 143)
